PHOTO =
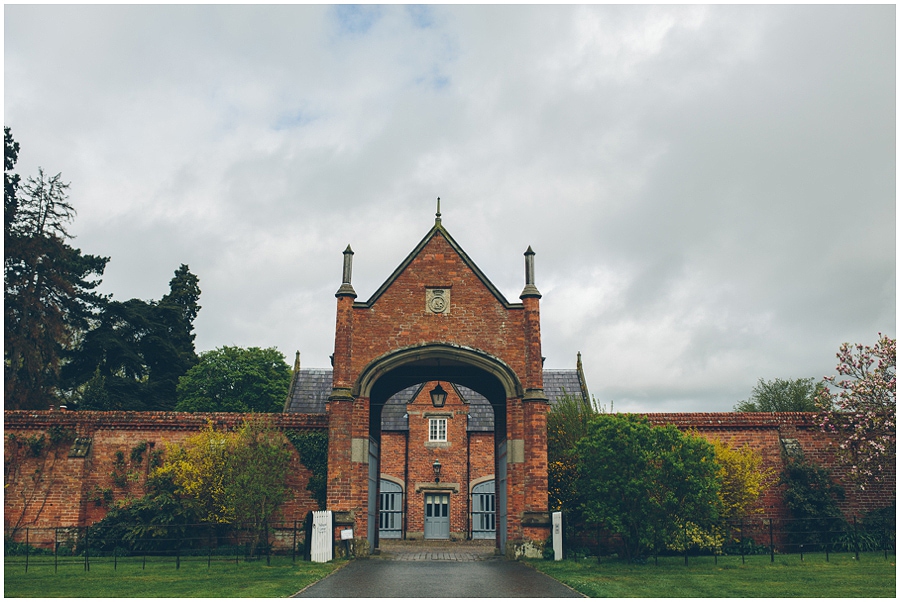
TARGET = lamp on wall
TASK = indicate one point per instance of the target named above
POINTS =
(438, 396)
(437, 471)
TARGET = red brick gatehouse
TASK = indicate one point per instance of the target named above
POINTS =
(437, 319)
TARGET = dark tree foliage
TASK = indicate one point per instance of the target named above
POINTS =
(160, 520)
(567, 422)
(49, 286)
(133, 357)
(811, 497)
(313, 450)
(10, 182)
(235, 379)
(645, 483)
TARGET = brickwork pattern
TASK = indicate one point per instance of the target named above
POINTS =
(763, 432)
(465, 458)
(398, 318)
(63, 493)
(50, 488)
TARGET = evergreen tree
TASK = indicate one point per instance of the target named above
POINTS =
(49, 286)
(133, 357)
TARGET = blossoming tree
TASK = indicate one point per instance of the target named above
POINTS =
(863, 409)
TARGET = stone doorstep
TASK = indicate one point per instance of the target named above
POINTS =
(436, 550)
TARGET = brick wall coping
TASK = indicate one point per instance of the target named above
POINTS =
(154, 420)
(734, 419)
(196, 421)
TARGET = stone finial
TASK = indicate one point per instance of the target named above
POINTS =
(530, 289)
(346, 289)
(437, 216)
(297, 362)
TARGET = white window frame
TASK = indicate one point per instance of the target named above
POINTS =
(437, 429)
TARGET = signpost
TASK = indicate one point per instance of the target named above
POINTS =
(557, 536)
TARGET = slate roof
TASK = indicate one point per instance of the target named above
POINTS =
(311, 387)
(558, 383)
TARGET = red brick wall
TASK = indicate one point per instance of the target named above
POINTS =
(477, 319)
(53, 489)
(481, 455)
(763, 432)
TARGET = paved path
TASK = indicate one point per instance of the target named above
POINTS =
(462, 570)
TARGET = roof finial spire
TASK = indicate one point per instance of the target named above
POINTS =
(437, 216)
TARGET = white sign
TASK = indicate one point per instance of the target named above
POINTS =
(557, 536)
(346, 534)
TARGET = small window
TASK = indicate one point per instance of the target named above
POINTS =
(437, 429)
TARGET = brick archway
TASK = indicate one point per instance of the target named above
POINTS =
(438, 317)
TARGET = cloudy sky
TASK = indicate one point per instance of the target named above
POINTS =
(710, 191)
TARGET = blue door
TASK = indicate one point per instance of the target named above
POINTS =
(437, 516)
(484, 511)
(390, 521)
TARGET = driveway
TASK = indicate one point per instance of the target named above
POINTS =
(449, 571)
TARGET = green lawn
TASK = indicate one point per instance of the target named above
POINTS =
(160, 579)
(843, 577)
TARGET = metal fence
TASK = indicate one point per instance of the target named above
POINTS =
(747, 537)
(139, 542)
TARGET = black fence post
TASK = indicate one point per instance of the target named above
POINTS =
(87, 547)
(268, 557)
(685, 544)
(771, 541)
(294, 545)
(26, 549)
(209, 545)
(855, 538)
(742, 541)
(56, 550)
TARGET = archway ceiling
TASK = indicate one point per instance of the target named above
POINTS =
(433, 369)
(424, 371)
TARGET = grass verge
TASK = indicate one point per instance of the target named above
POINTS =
(842, 577)
(160, 579)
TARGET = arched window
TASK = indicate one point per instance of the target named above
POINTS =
(484, 511)
(390, 519)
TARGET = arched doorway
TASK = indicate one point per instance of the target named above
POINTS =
(438, 318)
(445, 363)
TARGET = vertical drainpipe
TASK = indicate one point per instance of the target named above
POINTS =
(468, 478)
(406, 480)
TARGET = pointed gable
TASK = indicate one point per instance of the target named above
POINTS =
(422, 249)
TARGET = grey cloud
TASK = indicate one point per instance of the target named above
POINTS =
(710, 190)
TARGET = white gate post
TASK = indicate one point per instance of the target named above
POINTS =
(557, 536)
